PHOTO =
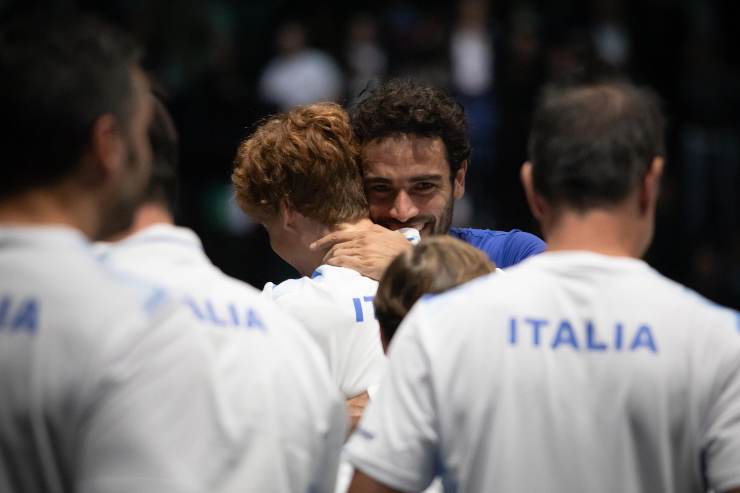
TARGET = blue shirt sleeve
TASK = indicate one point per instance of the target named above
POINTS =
(504, 248)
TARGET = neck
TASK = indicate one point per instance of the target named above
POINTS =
(146, 215)
(306, 260)
(60, 205)
(602, 231)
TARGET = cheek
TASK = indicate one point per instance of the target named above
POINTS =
(143, 149)
(377, 209)
(434, 206)
(139, 157)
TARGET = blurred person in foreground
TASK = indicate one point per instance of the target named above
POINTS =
(286, 421)
(581, 369)
(415, 156)
(107, 386)
(298, 175)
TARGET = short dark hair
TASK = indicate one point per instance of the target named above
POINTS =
(590, 145)
(59, 75)
(404, 106)
(163, 183)
(436, 264)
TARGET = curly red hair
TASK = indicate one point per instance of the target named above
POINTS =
(306, 158)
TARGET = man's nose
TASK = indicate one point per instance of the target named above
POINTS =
(403, 207)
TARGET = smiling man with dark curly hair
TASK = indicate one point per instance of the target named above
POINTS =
(415, 152)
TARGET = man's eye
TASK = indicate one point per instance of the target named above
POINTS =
(424, 186)
(379, 189)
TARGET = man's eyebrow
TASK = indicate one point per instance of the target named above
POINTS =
(431, 177)
(413, 179)
(377, 179)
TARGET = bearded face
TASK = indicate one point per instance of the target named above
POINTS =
(408, 183)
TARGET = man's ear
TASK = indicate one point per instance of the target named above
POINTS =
(289, 217)
(650, 186)
(458, 185)
(536, 203)
(106, 152)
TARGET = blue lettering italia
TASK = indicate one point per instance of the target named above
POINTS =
(19, 315)
(565, 335)
(536, 325)
(580, 336)
(225, 315)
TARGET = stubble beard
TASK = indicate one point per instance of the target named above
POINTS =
(443, 224)
(118, 214)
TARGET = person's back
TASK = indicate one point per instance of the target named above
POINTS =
(584, 369)
(336, 305)
(106, 383)
(589, 373)
(72, 364)
(286, 419)
(298, 175)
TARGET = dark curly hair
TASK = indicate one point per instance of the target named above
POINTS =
(404, 106)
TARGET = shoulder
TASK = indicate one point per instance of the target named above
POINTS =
(505, 248)
(309, 301)
(332, 296)
(465, 294)
(124, 292)
(326, 282)
(702, 312)
(287, 289)
(485, 236)
(98, 314)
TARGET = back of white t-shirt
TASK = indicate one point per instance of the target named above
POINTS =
(286, 417)
(572, 372)
(336, 305)
(107, 386)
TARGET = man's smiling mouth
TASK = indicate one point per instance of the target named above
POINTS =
(424, 228)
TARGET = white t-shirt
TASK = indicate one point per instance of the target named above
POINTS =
(574, 372)
(282, 410)
(106, 386)
(336, 305)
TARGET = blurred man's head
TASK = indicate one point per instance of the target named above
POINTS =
(75, 108)
(158, 202)
(163, 183)
(433, 266)
(415, 151)
(298, 173)
(596, 148)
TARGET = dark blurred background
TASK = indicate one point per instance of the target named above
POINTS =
(224, 64)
